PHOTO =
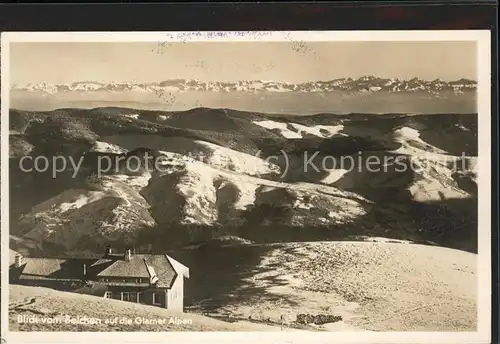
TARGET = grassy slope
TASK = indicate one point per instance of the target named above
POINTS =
(374, 286)
(47, 303)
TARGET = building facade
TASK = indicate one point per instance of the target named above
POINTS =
(156, 280)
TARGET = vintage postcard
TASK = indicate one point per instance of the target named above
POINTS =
(246, 186)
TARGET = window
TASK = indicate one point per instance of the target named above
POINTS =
(139, 280)
(140, 298)
(156, 299)
(129, 296)
(107, 295)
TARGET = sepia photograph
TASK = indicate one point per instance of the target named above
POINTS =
(316, 185)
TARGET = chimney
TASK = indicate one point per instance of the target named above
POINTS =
(108, 250)
(18, 261)
(128, 254)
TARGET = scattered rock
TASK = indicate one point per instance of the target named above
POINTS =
(317, 319)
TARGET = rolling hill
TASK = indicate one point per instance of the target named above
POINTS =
(382, 285)
(273, 213)
(219, 172)
(64, 311)
(375, 285)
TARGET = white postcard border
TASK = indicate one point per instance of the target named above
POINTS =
(482, 37)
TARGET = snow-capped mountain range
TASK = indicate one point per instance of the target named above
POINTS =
(365, 84)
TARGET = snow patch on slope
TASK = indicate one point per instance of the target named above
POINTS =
(229, 159)
(318, 130)
(433, 165)
(136, 181)
(131, 210)
(246, 195)
(297, 131)
(183, 193)
(284, 128)
(194, 186)
(80, 201)
(347, 209)
(198, 202)
(115, 211)
(104, 147)
(437, 182)
(131, 116)
(333, 175)
(411, 143)
(198, 190)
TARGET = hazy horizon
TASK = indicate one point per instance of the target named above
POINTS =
(145, 62)
(246, 80)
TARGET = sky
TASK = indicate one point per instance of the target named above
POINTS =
(66, 62)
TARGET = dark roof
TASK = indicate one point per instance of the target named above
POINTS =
(143, 266)
(164, 270)
(41, 267)
(53, 268)
(98, 266)
(135, 267)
